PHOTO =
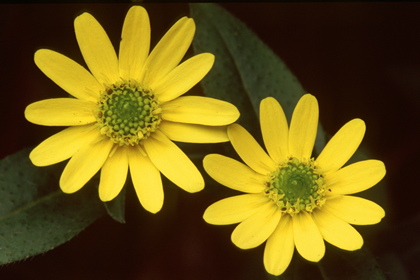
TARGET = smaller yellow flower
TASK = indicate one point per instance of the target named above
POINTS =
(128, 109)
(293, 200)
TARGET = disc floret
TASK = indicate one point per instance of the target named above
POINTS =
(296, 186)
(128, 112)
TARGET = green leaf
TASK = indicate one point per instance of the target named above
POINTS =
(116, 207)
(245, 69)
(35, 215)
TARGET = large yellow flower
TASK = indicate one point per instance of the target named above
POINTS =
(294, 200)
(128, 109)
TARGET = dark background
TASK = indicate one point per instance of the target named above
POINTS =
(358, 59)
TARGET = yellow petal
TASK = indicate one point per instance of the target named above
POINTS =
(135, 43)
(337, 232)
(355, 210)
(194, 133)
(274, 128)
(173, 163)
(147, 181)
(234, 209)
(62, 145)
(233, 174)
(308, 240)
(69, 75)
(342, 146)
(61, 112)
(279, 247)
(183, 77)
(200, 110)
(84, 164)
(253, 231)
(113, 174)
(169, 51)
(303, 127)
(356, 177)
(97, 49)
(249, 150)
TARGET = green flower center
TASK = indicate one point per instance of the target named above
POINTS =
(128, 113)
(296, 186)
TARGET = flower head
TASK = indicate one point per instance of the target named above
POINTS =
(293, 200)
(128, 109)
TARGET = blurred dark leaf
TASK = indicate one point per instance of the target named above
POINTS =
(245, 70)
(357, 265)
(298, 269)
(35, 215)
(116, 207)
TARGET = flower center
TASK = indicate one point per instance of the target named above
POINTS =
(128, 113)
(296, 186)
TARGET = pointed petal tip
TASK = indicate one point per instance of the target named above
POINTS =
(308, 97)
(155, 208)
(83, 15)
(33, 159)
(358, 124)
(268, 100)
(196, 187)
(207, 59)
(106, 197)
(137, 7)
(66, 188)
(189, 22)
(39, 53)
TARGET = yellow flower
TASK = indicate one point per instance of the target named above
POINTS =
(128, 109)
(293, 199)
